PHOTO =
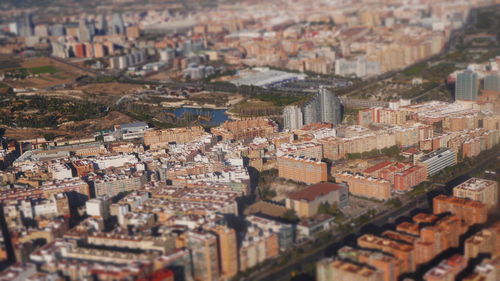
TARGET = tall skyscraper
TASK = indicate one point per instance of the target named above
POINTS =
(84, 31)
(330, 106)
(311, 111)
(57, 30)
(492, 82)
(117, 25)
(323, 107)
(467, 86)
(27, 26)
(101, 25)
(292, 116)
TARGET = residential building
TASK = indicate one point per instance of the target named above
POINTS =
(365, 186)
(405, 180)
(472, 212)
(447, 270)
(482, 190)
(205, 255)
(486, 241)
(340, 270)
(302, 169)
(228, 250)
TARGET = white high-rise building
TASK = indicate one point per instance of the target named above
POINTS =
(330, 107)
(323, 107)
(292, 116)
(492, 82)
(467, 85)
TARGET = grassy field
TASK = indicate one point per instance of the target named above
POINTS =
(43, 69)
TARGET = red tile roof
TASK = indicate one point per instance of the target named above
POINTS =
(378, 167)
(314, 191)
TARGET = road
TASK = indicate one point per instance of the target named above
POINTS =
(81, 68)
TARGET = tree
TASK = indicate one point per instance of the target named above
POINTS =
(49, 136)
(290, 216)
(327, 208)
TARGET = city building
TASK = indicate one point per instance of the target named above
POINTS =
(492, 82)
(228, 250)
(472, 212)
(310, 226)
(324, 107)
(438, 160)
(447, 270)
(366, 186)
(306, 202)
(487, 270)
(302, 169)
(161, 138)
(245, 129)
(98, 207)
(285, 231)
(482, 190)
(385, 263)
(411, 177)
(336, 269)
(467, 85)
(401, 250)
(293, 118)
(486, 241)
(205, 255)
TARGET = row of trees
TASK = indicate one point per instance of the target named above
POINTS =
(392, 151)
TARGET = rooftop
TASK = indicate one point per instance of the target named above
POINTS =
(312, 192)
(475, 184)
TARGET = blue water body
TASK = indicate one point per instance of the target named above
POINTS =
(218, 116)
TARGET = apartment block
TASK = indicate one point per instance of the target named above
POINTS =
(403, 251)
(161, 138)
(302, 169)
(386, 170)
(438, 237)
(482, 190)
(447, 270)
(366, 186)
(333, 148)
(113, 184)
(341, 270)
(389, 266)
(472, 212)
(245, 129)
(487, 270)
(486, 241)
(228, 250)
(205, 255)
(257, 246)
(405, 180)
(285, 231)
(306, 149)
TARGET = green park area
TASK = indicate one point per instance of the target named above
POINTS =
(43, 69)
